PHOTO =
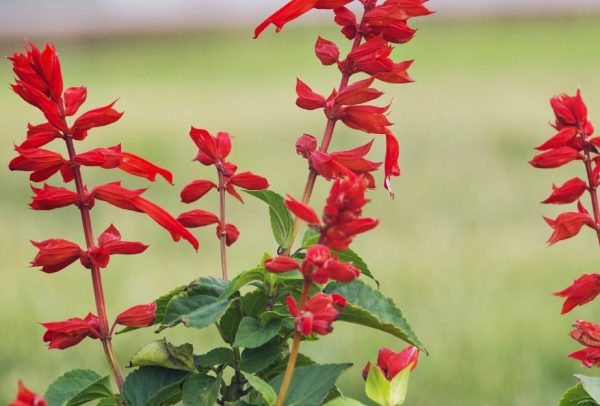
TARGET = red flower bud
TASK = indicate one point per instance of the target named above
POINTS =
(74, 98)
(195, 190)
(65, 334)
(555, 158)
(567, 225)
(249, 181)
(358, 93)
(392, 363)
(583, 290)
(586, 333)
(51, 197)
(197, 218)
(570, 191)
(281, 264)
(318, 315)
(589, 356)
(327, 52)
(307, 98)
(231, 233)
(370, 119)
(561, 139)
(137, 316)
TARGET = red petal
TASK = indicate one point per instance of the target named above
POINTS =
(197, 218)
(98, 117)
(392, 153)
(287, 13)
(74, 98)
(137, 166)
(307, 99)
(250, 181)
(327, 52)
(302, 211)
(196, 190)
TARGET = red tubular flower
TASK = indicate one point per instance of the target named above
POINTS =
(55, 254)
(40, 69)
(392, 363)
(109, 243)
(327, 52)
(65, 334)
(231, 233)
(397, 73)
(106, 158)
(138, 166)
(335, 270)
(97, 117)
(569, 192)
(563, 138)
(196, 189)
(40, 135)
(51, 197)
(197, 218)
(555, 157)
(392, 153)
(74, 98)
(568, 225)
(249, 181)
(370, 119)
(137, 316)
(25, 397)
(41, 101)
(357, 93)
(583, 290)
(318, 315)
(293, 10)
(307, 98)
(40, 162)
(571, 111)
(302, 211)
(281, 264)
(211, 149)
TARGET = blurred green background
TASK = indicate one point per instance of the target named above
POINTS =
(461, 248)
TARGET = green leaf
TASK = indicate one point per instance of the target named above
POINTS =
(377, 387)
(152, 385)
(216, 356)
(267, 392)
(230, 322)
(77, 387)
(254, 303)
(310, 384)
(201, 390)
(343, 401)
(241, 280)
(252, 334)
(194, 309)
(279, 368)
(310, 238)
(160, 353)
(576, 396)
(351, 256)
(209, 285)
(368, 307)
(281, 219)
(591, 384)
(116, 400)
(256, 359)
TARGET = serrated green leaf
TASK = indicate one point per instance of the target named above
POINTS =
(591, 384)
(77, 387)
(152, 384)
(310, 384)
(343, 401)
(267, 392)
(252, 334)
(368, 307)
(243, 279)
(160, 353)
(254, 360)
(200, 390)
(216, 356)
(576, 396)
(351, 256)
(310, 238)
(281, 219)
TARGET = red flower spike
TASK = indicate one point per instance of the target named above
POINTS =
(137, 316)
(327, 52)
(370, 119)
(40, 135)
(567, 225)
(281, 264)
(589, 356)
(55, 254)
(25, 397)
(293, 10)
(307, 99)
(302, 211)
(249, 181)
(74, 98)
(583, 290)
(586, 333)
(570, 191)
(138, 166)
(231, 233)
(51, 197)
(561, 139)
(357, 93)
(392, 363)
(40, 162)
(65, 334)
(197, 218)
(318, 315)
(196, 190)
(392, 153)
(555, 158)
(98, 117)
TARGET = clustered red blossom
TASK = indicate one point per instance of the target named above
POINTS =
(380, 25)
(339, 224)
(213, 151)
(391, 363)
(574, 141)
(40, 83)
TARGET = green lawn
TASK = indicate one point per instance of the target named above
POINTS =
(461, 248)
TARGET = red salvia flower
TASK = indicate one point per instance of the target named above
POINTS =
(231, 233)
(197, 218)
(571, 111)
(563, 138)
(392, 363)
(357, 93)
(94, 118)
(307, 98)
(302, 211)
(281, 264)
(25, 397)
(567, 225)
(555, 157)
(327, 52)
(569, 192)
(74, 98)
(586, 333)
(248, 181)
(40, 162)
(392, 153)
(589, 356)
(40, 135)
(51, 197)
(370, 119)
(109, 243)
(583, 290)
(196, 189)
(318, 315)
(65, 334)
(212, 149)
(137, 316)
(55, 254)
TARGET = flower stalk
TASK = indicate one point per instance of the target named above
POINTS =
(223, 230)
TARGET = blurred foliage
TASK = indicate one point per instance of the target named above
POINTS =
(461, 248)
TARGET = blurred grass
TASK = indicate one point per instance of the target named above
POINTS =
(461, 248)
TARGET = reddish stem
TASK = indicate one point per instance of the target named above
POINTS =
(591, 184)
(223, 233)
(105, 335)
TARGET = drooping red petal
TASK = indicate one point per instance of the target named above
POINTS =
(292, 10)
(392, 153)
